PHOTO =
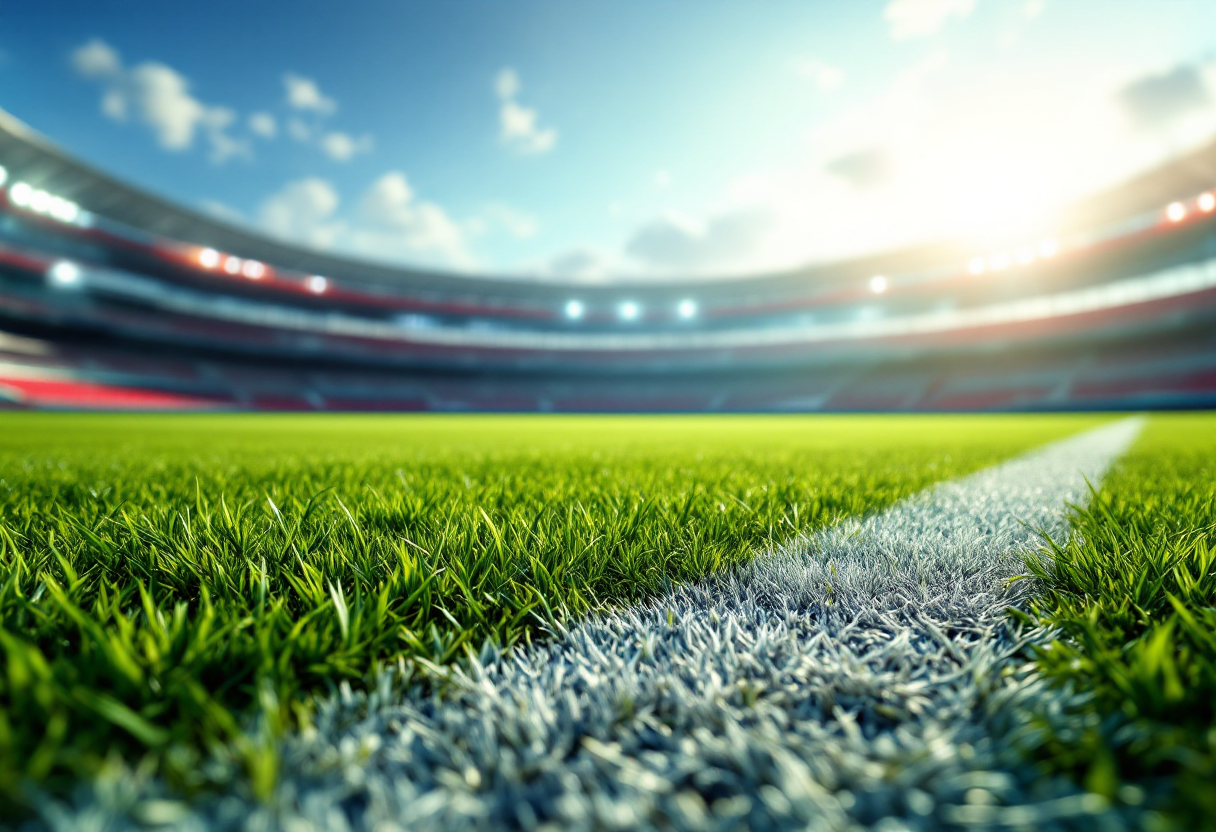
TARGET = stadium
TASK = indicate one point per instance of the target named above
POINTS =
(296, 537)
(1112, 310)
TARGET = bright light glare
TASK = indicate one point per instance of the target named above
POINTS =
(232, 265)
(253, 270)
(20, 194)
(1048, 247)
(1025, 255)
(64, 274)
(317, 284)
(40, 202)
(1176, 212)
(1207, 202)
(976, 265)
(208, 258)
(574, 310)
(3, 174)
(64, 210)
(629, 311)
(687, 309)
(999, 262)
(878, 284)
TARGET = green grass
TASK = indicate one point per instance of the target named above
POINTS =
(165, 581)
(1135, 594)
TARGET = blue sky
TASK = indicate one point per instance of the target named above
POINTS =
(617, 139)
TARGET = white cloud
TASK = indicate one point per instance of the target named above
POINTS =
(97, 59)
(518, 224)
(580, 264)
(264, 125)
(908, 19)
(304, 94)
(393, 222)
(519, 129)
(303, 212)
(862, 168)
(1160, 100)
(388, 222)
(506, 84)
(518, 125)
(342, 147)
(159, 97)
(823, 75)
(675, 241)
(308, 125)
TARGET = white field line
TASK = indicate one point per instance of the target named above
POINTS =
(859, 678)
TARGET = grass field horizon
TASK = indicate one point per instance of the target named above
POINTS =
(177, 591)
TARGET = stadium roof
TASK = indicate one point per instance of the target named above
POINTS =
(32, 157)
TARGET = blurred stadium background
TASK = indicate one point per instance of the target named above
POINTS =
(111, 297)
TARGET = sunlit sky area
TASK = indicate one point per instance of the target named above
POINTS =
(616, 139)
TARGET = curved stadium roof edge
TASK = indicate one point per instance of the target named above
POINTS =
(31, 156)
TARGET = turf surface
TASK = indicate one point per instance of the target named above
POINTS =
(1134, 592)
(165, 581)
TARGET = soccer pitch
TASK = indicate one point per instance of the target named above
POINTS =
(187, 602)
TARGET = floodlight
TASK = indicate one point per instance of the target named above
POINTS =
(574, 310)
(20, 194)
(629, 311)
(232, 265)
(64, 210)
(40, 201)
(976, 265)
(1207, 202)
(317, 284)
(1025, 255)
(208, 258)
(1176, 212)
(687, 309)
(3, 174)
(999, 261)
(878, 284)
(1048, 247)
(253, 270)
(64, 274)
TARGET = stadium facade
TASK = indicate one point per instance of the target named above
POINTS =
(111, 297)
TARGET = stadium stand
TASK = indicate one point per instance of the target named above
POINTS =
(115, 298)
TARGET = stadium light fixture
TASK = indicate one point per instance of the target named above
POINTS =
(1025, 255)
(208, 258)
(687, 309)
(3, 174)
(232, 265)
(1000, 261)
(20, 194)
(40, 201)
(1048, 247)
(1207, 202)
(253, 270)
(977, 266)
(24, 195)
(629, 311)
(64, 274)
(317, 284)
(574, 309)
(1176, 212)
(879, 284)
